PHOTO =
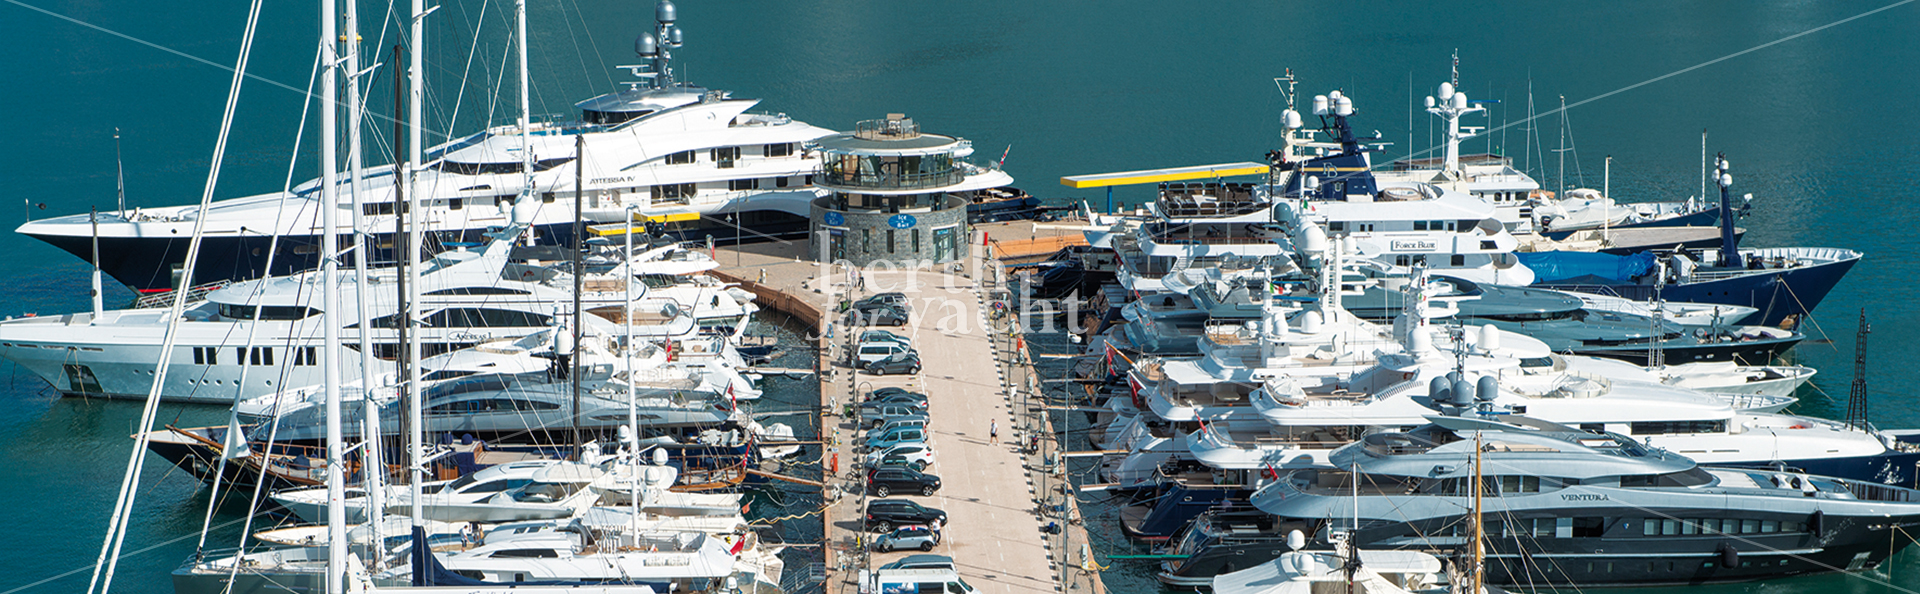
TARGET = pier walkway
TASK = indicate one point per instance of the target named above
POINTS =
(997, 499)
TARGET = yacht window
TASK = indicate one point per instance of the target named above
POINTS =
(780, 182)
(546, 197)
(780, 149)
(455, 204)
(743, 184)
(1419, 225)
(1457, 260)
(270, 312)
(306, 356)
(1672, 427)
(680, 158)
(674, 191)
(465, 485)
(481, 317)
(478, 291)
(525, 554)
(726, 154)
(1336, 225)
(445, 374)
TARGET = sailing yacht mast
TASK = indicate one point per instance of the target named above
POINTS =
(330, 270)
(416, 432)
(371, 466)
(526, 127)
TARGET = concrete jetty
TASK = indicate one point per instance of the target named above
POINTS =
(975, 373)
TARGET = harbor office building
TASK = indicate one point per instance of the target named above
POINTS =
(892, 195)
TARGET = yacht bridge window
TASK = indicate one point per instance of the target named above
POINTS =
(269, 312)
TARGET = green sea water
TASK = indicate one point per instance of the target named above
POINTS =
(1816, 111)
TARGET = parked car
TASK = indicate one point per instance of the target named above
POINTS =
(921, 562)
(897, 437)
(876, 314)
(883, 335)
(884, 514)
(883, 425)
(891, 390)
(894, 299)
(913, 399)
(870, 352)
(911, 536)
(907, 363)
(886, 481)
(880, 416)
(913, 452)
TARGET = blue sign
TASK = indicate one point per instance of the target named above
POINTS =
(834, 218)
(901, 221)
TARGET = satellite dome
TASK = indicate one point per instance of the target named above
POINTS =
(664, 11)
(645, 45)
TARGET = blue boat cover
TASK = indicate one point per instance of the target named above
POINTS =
(1586, 267)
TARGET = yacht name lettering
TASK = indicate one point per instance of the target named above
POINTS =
(610, 180)
(1583, 497)
(1415, 246)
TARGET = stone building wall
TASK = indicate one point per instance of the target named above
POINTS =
(861, 237)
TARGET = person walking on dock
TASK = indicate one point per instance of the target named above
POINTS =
(993, 431)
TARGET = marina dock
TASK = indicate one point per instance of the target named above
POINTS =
(999, 500)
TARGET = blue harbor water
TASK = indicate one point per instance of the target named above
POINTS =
(1819, 128)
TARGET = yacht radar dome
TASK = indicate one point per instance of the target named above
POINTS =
(1290, 119)
(1446, 91)
(1320, 105)
(645, 45)
(664, 11)
(1342, 107)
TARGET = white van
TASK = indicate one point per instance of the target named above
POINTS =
(915, 581)
(879, 350)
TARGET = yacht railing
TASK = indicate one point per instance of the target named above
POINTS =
(165, 298)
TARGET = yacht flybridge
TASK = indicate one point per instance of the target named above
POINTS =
(694, 160)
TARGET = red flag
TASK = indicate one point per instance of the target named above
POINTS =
(737, 545)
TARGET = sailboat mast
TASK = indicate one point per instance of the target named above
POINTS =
(1479, 553)
(370, 466)
(579, 278)
(526, 109)
(330, 300)
(99, 304)
(633, 410)
(417, 433)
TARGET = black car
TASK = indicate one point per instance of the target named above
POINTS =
(876, 314)
(907, 363)
(886, 480)
(896, 396)
(884, 514)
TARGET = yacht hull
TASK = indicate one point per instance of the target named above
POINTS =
(1778, 294)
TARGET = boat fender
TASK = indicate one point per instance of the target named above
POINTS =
(1729, 556)
(1816, 523)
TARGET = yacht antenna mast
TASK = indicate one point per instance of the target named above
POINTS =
(1857, 395)
(120, 179)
